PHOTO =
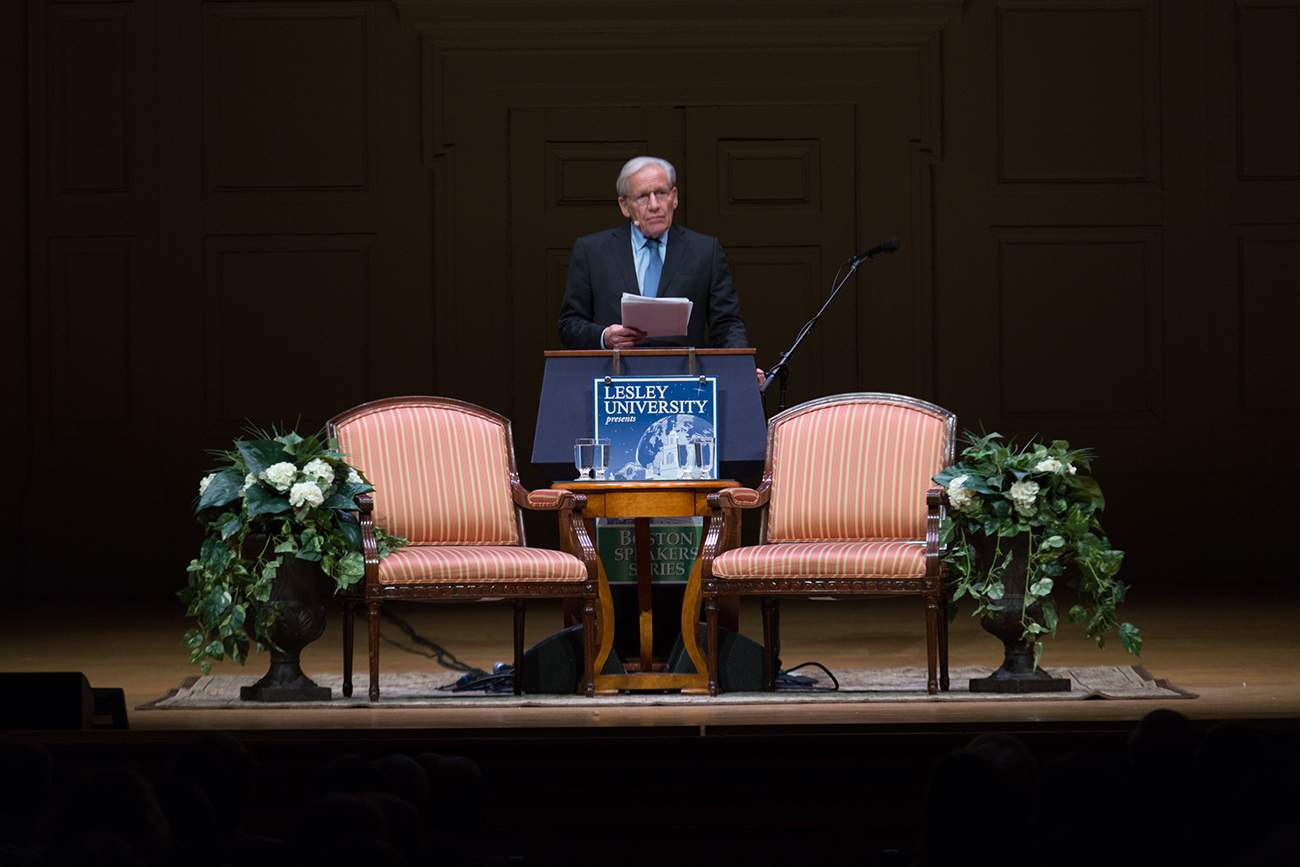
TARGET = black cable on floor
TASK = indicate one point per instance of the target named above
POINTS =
(502, 679)
(444, 657)
(788, 680)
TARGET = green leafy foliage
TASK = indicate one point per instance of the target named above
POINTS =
(278, 496)
(997, 493)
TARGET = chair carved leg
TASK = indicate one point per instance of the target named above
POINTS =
(771, 608)
(932, 643)
(943, 643)
(517, 678)
(711, 638)
(372, 611)
(589, 645)
(349, 617)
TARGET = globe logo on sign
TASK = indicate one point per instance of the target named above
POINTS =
(656, 452)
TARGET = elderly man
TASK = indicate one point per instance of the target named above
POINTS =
(649, 256)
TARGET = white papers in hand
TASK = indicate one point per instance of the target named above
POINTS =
(657, 317)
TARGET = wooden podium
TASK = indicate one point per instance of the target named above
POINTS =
(566, 412)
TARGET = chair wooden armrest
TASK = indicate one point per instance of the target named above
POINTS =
(570, 505)
(551, 499)
(369, 545)
(935, 500)
(740, 498)
(722, 535)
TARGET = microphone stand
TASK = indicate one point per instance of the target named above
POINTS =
(781, 368)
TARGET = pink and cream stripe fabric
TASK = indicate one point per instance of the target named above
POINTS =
(443, 564)
(441, 474)
(826, 560)
(855, 471)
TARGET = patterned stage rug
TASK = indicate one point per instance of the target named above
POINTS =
(425, 690)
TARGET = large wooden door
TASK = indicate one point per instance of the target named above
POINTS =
(774, 183)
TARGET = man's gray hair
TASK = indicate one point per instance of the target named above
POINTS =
(635, 165)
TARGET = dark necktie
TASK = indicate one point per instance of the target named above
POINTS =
(652, 270)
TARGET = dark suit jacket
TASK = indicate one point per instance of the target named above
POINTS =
(602, 269)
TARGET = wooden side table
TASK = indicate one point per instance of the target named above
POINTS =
(643, 501)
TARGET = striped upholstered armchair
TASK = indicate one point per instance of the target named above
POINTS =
(445, 478)
(847, 508)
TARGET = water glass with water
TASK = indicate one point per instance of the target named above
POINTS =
(705, 453)
(686, 463)
(600, 456)
(695, 457)
(584, 456)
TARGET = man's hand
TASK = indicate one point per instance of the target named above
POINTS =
(622, 337)
(762, 378)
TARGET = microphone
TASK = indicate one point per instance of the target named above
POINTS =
(888, 247)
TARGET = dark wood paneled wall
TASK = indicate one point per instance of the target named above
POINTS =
(270, 211)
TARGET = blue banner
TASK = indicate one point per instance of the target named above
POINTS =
(659, 427)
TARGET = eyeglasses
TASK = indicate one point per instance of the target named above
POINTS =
(644, 198)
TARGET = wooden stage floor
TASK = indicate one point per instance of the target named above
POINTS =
(699, 784)
(1238, 651)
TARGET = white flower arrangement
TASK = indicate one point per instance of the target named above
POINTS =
(277, 499)
(998, 494)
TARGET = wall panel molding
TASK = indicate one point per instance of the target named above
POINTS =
(578, 173)
(769, 174)
(1268, 308)
(273, 354)
(521, 44)
(1080, 324)
(1078, 91)
(1268, 90)
(288, 97)
(684, 22)
(89, 332)
(88, 99)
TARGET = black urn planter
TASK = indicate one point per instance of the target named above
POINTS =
(1017, 673)
(299, 589)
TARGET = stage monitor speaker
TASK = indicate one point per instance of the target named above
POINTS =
(554, 665)
(110, 708)
(46, 700)
(50, 700)
(740, 660)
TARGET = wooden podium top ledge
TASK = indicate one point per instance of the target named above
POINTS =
(634, 353)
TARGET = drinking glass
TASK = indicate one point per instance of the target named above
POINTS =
(600, 455)
(705, 453)
(686, 462)
(584, 456)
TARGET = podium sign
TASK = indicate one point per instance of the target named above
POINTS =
(647, 418)
(675, 543)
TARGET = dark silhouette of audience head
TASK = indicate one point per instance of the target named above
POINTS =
(1170, 797)
(109, 815)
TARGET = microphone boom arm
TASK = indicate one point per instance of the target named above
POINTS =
(781, 367)
(803, 332)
